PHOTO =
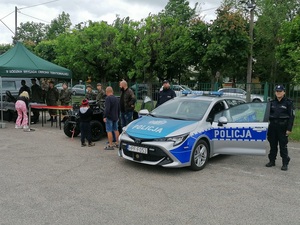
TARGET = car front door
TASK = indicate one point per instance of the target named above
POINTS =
(241, 129)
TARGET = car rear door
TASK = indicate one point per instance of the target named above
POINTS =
(241, 129)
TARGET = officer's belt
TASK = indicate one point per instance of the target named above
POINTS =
(279, 121)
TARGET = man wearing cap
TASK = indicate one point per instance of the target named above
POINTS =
(281, 123)
(90, 95)
(100, 96)
(65, 96)
(165, 94)
(36, 96)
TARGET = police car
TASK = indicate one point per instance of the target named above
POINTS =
(188, 130)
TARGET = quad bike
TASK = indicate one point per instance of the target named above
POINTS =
(72, 121)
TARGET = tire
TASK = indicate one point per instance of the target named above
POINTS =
(256, 100)
(74, 93)
(68, 129)
(97, 130)
(200, 155)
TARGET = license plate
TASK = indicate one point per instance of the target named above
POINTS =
(138, 149)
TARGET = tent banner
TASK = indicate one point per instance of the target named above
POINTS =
(35, 72)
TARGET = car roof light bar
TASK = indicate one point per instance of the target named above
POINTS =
(203, 93)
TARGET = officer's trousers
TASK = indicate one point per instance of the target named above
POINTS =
(277, 134)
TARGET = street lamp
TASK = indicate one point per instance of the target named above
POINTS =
(251, 6)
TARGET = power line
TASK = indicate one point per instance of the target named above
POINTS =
(38, 4)
(7, 15)
(34, 17)
(6, 26)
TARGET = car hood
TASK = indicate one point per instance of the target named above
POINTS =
(148, 127)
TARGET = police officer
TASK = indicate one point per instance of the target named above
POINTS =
(281, 122)
(165, 94)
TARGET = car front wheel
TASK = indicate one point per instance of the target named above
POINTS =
(200, 155)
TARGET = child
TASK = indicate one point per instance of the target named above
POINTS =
(85, 114)
(22, 107)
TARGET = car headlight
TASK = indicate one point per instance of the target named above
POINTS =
(176, 139)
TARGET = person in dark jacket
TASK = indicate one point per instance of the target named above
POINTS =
(85, 114)
(51, 99)
(36, 96)
(22, 109)
(111, 118)
(24, 88)
(165, 94)
(127, 103)
(281, 123)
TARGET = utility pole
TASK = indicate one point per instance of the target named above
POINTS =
(16, 24)
(251, 6)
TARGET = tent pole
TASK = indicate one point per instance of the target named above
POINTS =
(2, 125)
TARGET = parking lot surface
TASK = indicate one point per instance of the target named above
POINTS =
(48, 178)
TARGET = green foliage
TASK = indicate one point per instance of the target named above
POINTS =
(31, 32)
(58, 26)
(4, 48)
(229, 45)
(288, 51)
(271, 16)
(90, 51)
(45, 50)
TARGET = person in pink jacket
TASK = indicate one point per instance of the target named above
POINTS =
(22, 109)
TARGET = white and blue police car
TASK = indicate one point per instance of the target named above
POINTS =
(188, 130)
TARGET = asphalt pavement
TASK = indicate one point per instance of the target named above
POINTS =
(48, 178)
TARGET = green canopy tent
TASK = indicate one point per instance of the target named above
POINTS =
(20, 62)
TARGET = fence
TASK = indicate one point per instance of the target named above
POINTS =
(264, 89)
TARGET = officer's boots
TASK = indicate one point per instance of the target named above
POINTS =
(270, 164)
(285, 163)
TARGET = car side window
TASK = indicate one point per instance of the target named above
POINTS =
(233, 102)
(218, 107)
(245, 113)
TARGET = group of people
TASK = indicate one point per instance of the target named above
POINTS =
(115, 109)
(46, 93)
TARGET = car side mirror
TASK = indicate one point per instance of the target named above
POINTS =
(143, 112)
(222, 120)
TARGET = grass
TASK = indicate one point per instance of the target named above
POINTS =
(295, 135)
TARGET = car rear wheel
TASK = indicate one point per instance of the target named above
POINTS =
(200, 155)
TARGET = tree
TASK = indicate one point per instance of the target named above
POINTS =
(46, 50)
(180, 10)
(58, 26)
(271, 14)
(31, 32)
(89, 52)
(288, 50)
(229, 47)
(4, 48)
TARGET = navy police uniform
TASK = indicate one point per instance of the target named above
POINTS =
(281, 120)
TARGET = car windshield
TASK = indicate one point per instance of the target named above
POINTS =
(182, 109)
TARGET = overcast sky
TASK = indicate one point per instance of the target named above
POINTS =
(84, 10)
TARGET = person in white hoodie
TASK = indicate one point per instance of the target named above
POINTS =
(85, 114)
